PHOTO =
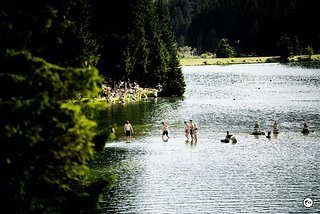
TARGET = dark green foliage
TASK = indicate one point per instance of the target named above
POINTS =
(285, 47)
(309, 51)
(124, 39)
(181, 19)
(110, 24)
(173, 80)
(254, 25)
(139, 45)
(288, 46)
(54, 30)
(46, 145)
(145, 46)
(224, 49)
(100, 139)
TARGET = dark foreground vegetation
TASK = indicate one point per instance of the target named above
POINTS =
(51, 51)
(46, 144)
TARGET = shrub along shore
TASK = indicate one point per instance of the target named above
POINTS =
(197, 61)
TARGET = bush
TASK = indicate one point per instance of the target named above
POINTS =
(204, 56)
(46, 144)
(224, 49)
(102, 137)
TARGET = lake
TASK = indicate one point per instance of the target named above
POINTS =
(254, 175)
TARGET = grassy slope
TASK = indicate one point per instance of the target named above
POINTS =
(242, 60)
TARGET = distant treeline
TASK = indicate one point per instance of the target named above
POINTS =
(128, 39)
(256, 27)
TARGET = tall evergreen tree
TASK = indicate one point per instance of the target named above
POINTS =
(110, 25)
(146, 50)
(143, 49)
(174, 82)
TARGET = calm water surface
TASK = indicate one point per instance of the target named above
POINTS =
(255, 175)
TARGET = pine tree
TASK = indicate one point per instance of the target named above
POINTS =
(174, 82)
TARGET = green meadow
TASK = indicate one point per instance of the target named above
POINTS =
(195, 61)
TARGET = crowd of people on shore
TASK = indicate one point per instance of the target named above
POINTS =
(125, 90)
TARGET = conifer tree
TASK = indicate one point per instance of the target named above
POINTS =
(174, 82)
(224, 49)
(140, 39)
(151, 55)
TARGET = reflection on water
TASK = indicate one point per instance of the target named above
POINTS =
(255, 175)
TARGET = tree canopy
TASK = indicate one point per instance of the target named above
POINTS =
(56, 50)
(251, 26)
(46, 144)
(123, 39)
(138, 43)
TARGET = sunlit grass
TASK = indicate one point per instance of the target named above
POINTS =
(242, 60)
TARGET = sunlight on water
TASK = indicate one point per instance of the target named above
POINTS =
(255, 175)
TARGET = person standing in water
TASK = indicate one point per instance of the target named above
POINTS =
(186, 130)
(193, 130)
(165, 131)
(128, 130)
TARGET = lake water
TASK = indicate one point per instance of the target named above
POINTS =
(255, 175)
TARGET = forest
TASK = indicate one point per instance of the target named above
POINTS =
(123, 39)
(54, 51)
(252, 27)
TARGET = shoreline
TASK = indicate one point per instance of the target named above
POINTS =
(146, 93)
(125, 97)
(196, 61)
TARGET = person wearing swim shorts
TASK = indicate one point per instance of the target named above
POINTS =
(193, 130)
(165, 131)
(128, 130)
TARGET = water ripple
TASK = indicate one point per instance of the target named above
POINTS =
(255, 175)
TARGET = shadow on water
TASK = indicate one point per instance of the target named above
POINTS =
(145, 116)
(305, 64)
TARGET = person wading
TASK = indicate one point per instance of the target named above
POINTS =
(165, 132)
(193, 130)
(186, 130)
(128, 130)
